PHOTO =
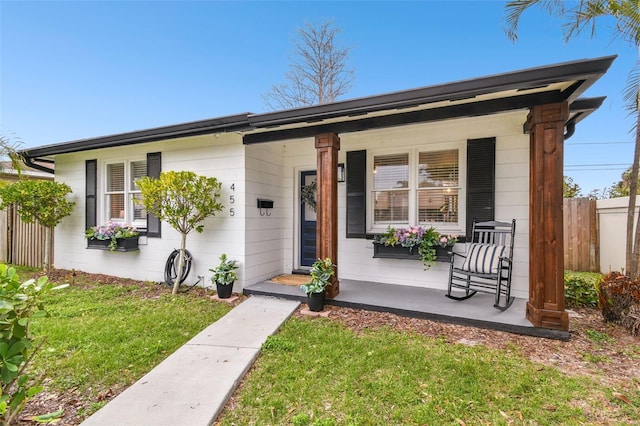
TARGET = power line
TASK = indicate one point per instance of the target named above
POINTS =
(601, 164)
(593, 170)
(597, 143)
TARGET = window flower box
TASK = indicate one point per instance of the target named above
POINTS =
(112, 236)
(122, 244)
(382, 251)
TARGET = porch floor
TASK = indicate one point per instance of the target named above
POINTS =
(418, 302)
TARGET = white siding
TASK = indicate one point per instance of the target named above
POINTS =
(268, 232)
(267, 244)
(219, 156)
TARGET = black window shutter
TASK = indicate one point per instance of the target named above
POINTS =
(481, 173)
(91, 193)
(154, 167)
(356, 194)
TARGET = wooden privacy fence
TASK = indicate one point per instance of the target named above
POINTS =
(22, 243)
(581, 245)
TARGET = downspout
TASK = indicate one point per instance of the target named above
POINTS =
(571, 129)
(29, 162)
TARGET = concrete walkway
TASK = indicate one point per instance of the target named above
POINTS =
(193, 384)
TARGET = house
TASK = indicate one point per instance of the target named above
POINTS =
(496, 142)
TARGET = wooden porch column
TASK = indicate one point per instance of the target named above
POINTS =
(327, 147)
(546, 261)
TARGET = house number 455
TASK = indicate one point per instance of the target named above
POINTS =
(232, 200)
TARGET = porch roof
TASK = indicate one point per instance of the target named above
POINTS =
(501, 92)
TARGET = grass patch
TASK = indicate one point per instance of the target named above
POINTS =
(107, 336)
(599, 336)
(316, 372)
(581, 288)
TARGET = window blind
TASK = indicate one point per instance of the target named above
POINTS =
(138, 170)
(390, 184)
(438, 169)
(391, 172)
(115, 177)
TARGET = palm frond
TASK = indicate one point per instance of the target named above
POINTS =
(627, 15)
(515, 8)
(583, 16)
(631, 94)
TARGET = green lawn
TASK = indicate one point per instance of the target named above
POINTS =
(316, 372)
(106, 336)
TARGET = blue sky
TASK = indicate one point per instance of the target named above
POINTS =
(81, 69)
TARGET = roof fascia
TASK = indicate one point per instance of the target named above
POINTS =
(231, 123)
(585, 71)
(581, 108)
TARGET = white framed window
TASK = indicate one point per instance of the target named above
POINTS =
(438, 187)
(391, 189)
(120, 190)
(417, 187)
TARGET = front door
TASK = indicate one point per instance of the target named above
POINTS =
(307, 218)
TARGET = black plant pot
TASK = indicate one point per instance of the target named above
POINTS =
(224, 291)
(315, 301)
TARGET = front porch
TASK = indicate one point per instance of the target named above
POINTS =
(419, 302)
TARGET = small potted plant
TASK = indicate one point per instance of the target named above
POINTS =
(224, 276)
(321, 273)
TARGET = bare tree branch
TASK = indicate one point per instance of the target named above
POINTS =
(319, 72)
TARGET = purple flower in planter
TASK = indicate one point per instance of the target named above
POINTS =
(111, 231)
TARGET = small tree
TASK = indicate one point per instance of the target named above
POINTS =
(319, 72)
(570, 189)
(183, 200)
(44, 201)
(600, 194)
(8, 149)
(622, 187)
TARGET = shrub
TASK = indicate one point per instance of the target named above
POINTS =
(581, 289)
(20, 303)
(620, 301)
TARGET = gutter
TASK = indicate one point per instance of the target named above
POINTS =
(232, 123)
(29, 162)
